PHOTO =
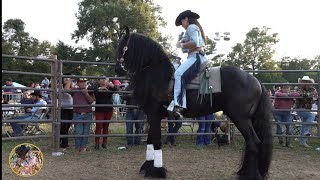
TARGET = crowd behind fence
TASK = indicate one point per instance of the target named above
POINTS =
(56, 75)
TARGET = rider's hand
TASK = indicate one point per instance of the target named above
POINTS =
(179, 44)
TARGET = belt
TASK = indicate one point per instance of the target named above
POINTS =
(197, 52)
(83, 113)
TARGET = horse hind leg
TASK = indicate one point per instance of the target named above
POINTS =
(249, 168)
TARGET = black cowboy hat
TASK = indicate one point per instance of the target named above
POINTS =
(22, 150)
(37, 93)
(184, 14)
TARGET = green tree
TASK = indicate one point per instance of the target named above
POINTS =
(15, 41)
(102, 22)
(316, 62)
(254, 51)
(288, 63)
(270, 77)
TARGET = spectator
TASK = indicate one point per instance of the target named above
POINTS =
(31, 112)
(282, 102)
(125, 83)
(309, 95)
(37, 85)
(173, 127)
(116, 82)
(45, 83)
(26, 99)
(131, 115)
(66, 114)
(81, 97)
(103, 95)
(275, 88)
(31, 85)
(116, 96)
(9, 83)
(204, 127)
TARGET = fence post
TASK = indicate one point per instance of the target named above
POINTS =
(318, 113)
(55, 121)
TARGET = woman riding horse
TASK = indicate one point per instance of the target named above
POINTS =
(192, 42)
(242, 98)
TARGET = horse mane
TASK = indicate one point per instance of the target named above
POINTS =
(150, 66)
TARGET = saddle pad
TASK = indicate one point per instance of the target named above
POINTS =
(214, 79)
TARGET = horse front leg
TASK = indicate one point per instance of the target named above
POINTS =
(153, 166)
(146, 166)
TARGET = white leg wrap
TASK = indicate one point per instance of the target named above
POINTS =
(150, 152)
(157, 158)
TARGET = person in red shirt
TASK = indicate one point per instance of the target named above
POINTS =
(282, 102)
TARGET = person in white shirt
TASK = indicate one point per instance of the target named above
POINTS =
(31, 113)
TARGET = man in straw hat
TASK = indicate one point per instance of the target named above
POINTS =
(308, 95)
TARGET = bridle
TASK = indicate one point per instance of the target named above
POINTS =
(121, 60)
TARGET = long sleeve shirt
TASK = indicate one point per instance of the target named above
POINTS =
(35, 109)
(309, 95)
(282, 102)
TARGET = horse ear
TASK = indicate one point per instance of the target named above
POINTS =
(127, 30)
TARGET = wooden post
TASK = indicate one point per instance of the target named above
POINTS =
(318, 113)
(55, 121)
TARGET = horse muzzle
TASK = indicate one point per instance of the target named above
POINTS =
(120, 70)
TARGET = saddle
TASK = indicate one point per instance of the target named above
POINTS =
(207, 81)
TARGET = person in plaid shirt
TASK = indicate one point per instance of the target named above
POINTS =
(308, 96)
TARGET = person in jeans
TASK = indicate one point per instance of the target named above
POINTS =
(308, 95)
(204, 127)
(103, 94)
(82, 97)
(133, 114)
(29, 113)
(66, 114)
(283, 101)
(173, 127)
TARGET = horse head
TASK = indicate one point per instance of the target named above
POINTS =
(141, 57)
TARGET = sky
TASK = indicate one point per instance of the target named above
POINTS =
(296, 21)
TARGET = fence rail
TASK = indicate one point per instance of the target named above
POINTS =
(55, 119)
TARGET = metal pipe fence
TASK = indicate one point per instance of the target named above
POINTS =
(55, 120)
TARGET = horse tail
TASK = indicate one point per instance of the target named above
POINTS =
(262, 125)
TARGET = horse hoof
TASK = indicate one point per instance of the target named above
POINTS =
(146, 166)
(246, 177)
(155, 172)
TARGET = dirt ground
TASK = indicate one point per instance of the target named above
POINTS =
(185, 161)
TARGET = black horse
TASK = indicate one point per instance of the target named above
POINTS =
(243, 99)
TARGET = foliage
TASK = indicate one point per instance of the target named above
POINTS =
(15, 41)
(102, 22)
(288, 63)
(211, 46)
(270, 77)
(254, 51)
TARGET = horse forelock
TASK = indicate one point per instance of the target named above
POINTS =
(149, 63)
